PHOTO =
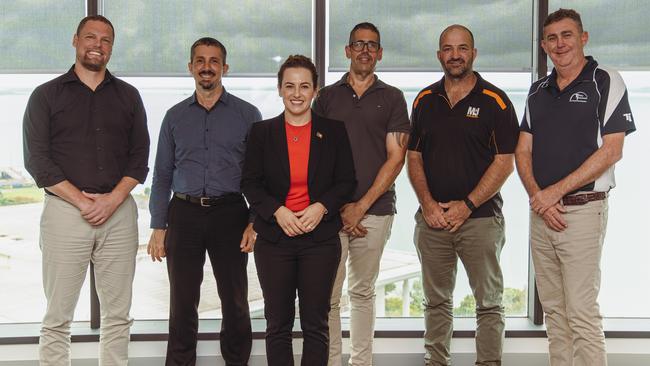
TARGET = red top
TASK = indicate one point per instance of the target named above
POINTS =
(298, 140)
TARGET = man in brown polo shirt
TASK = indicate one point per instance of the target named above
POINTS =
(376, 118)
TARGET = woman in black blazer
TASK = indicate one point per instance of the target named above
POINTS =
(298, 172)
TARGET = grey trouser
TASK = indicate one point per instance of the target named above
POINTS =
(567, 271)
(478, 243)
(363, 256)
(69, 244)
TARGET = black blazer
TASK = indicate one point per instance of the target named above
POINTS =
(265, 179)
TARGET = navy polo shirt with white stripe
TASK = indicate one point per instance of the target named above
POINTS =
(567, 125)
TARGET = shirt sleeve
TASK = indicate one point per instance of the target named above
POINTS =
(318, 106)
(506, 131)
(614, 108)
(525, 120)
(399, 117)
(416, 136)
(36, 141)
(161, 187)
(138, 165)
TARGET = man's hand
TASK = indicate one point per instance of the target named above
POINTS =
(352, 214)
(545, 199)
(311, 216)
(359, 231)
(289, 222)
(102, 208)
(248, 239)
(433, 216)
(456, 214)
(156, 246)
(554, 219)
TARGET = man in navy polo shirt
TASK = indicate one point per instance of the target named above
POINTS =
(461, 150)
(200, 158)
(571, 136)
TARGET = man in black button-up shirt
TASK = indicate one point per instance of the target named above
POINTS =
(86, 142)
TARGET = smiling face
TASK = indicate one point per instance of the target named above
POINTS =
(297, 91)
(564, 43)
(364, 61)
(94, 45)
(456, 53)
(207, 67)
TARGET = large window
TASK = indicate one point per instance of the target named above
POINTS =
(152, 50)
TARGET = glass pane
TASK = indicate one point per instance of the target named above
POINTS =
(410, 31)
(617, 36)
(399, 279)
(37, 35)
(21, 204)
(155, 36)
(625, 269)
(151, 285)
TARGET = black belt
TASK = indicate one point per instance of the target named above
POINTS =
(210, 201)
(581, 199)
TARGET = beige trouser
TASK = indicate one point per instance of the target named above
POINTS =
(478, 243)
(362, 256)
(567, 271)
(68, 244)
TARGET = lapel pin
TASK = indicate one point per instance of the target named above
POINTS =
(319, 135)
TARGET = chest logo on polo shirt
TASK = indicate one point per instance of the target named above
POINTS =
(579, 97)
(472, 112)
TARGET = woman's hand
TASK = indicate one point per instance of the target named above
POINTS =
(289, 221)
(311, 216)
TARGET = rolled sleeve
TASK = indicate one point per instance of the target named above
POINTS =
(137, 167)
(36, 142)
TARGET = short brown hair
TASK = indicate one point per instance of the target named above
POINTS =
(367, 26)
(208, 41)
(560, 14)
(97, 18)
(298, 61)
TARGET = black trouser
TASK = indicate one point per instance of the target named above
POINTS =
(282, 267)
(193, 229)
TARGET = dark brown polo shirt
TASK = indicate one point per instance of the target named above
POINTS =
(368, 120)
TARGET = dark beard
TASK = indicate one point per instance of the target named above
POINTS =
(91, 66)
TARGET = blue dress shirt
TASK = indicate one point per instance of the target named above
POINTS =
(200, 152)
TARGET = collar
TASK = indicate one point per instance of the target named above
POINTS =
(71, 76)
(439, 87)
(377, 84)
(585, 75)
(224, 98)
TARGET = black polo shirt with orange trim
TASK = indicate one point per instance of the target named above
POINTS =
(458, 144)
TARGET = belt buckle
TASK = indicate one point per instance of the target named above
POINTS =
(203, 200)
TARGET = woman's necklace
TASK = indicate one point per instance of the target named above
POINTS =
(297, 132)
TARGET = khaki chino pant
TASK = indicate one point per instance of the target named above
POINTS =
(478, 243)
(567, 271)
(362, 256)
(69, 244)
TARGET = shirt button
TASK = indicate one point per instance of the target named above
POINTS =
(100, 168)
(98, 129)
(99, 148)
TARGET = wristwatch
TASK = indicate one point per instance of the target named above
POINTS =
(469, 204)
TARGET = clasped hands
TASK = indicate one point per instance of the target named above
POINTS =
(547, 204)
(301, 222)
(446, 215)
(97, 208)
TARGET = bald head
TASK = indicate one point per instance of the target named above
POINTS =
(456, 27)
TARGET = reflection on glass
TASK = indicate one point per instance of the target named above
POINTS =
(399, 290)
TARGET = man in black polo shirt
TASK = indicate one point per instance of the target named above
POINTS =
(199, 158)
(376, 118)
(571, 136)
(86, 142)
(464, 132)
